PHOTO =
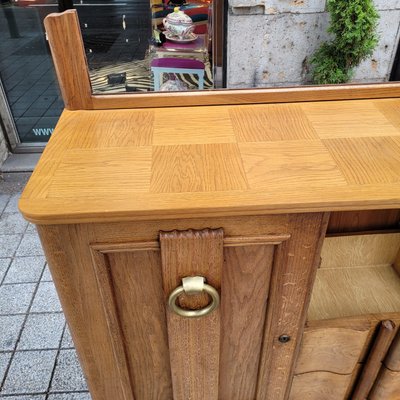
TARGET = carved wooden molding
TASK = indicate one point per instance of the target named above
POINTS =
(230, 241)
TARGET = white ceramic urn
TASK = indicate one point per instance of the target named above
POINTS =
(178, 24)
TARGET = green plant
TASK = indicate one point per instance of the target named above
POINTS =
(353, 24)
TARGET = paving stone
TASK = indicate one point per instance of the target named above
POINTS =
(42, 331)
(70, 396)
(30, 246)
(8, 244)
(68, 374)
(4, 264)
(30, 371)
(10, 327)
(46, 299)
(46, 277)
(3, 201)
(25, 269)
(15, 299)
(20, 163)
(31, 228)
(4, 360)
(67, 342)
(12, 223)
(12, 206)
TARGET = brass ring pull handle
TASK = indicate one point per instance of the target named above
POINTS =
(193, 285)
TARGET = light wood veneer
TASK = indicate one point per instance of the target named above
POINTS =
(114, 165)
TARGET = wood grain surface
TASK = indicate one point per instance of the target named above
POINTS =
(70, 260)
(332, 349)
(383, 154)
(194, 343)
(387, 386)
(354, 291)
(381, 344)
(360, 250)
(392, 359)
(363, 221)
(69, 59)
(333, 355)
(336, 120)
(108, 277)
(244, 299)
(247, 96)
(110, 304)
(356, 277)
(320, 385)
(222, 160)
(266, 123)
(295, 266)
(137, 287)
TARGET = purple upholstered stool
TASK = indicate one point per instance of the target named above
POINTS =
(160, 66)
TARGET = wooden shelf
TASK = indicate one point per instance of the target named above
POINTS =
(357, 276)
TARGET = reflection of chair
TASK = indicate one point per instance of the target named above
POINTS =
(160, 66)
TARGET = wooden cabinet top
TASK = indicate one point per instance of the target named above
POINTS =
(113, 165)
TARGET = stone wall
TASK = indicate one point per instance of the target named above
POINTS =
(270, 41)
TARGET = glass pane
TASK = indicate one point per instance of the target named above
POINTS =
(26, 68)
(291, 43)
(280, 43)
(128, 45)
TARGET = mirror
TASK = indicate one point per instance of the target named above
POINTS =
(137, 47)
(141, 46)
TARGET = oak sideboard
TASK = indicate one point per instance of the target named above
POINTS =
(234, 245)
(130, 202)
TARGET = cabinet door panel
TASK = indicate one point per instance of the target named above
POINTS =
(131, 279)
(320, 385)
(334, 350)
(345, 354)
(244, 295)
(137, 285)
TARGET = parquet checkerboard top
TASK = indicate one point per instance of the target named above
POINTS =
(112, 165)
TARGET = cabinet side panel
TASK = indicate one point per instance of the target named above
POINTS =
(137, 284)
(244, 294)
(293, 275)
(70, 261)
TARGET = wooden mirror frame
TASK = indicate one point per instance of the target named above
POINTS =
(71, 66)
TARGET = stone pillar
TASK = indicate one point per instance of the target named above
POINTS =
(269, 42)
(3, 146)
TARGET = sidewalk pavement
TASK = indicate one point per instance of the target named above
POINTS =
(37, 356)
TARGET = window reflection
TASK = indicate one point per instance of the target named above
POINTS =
(26, 69)
(138, 46)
